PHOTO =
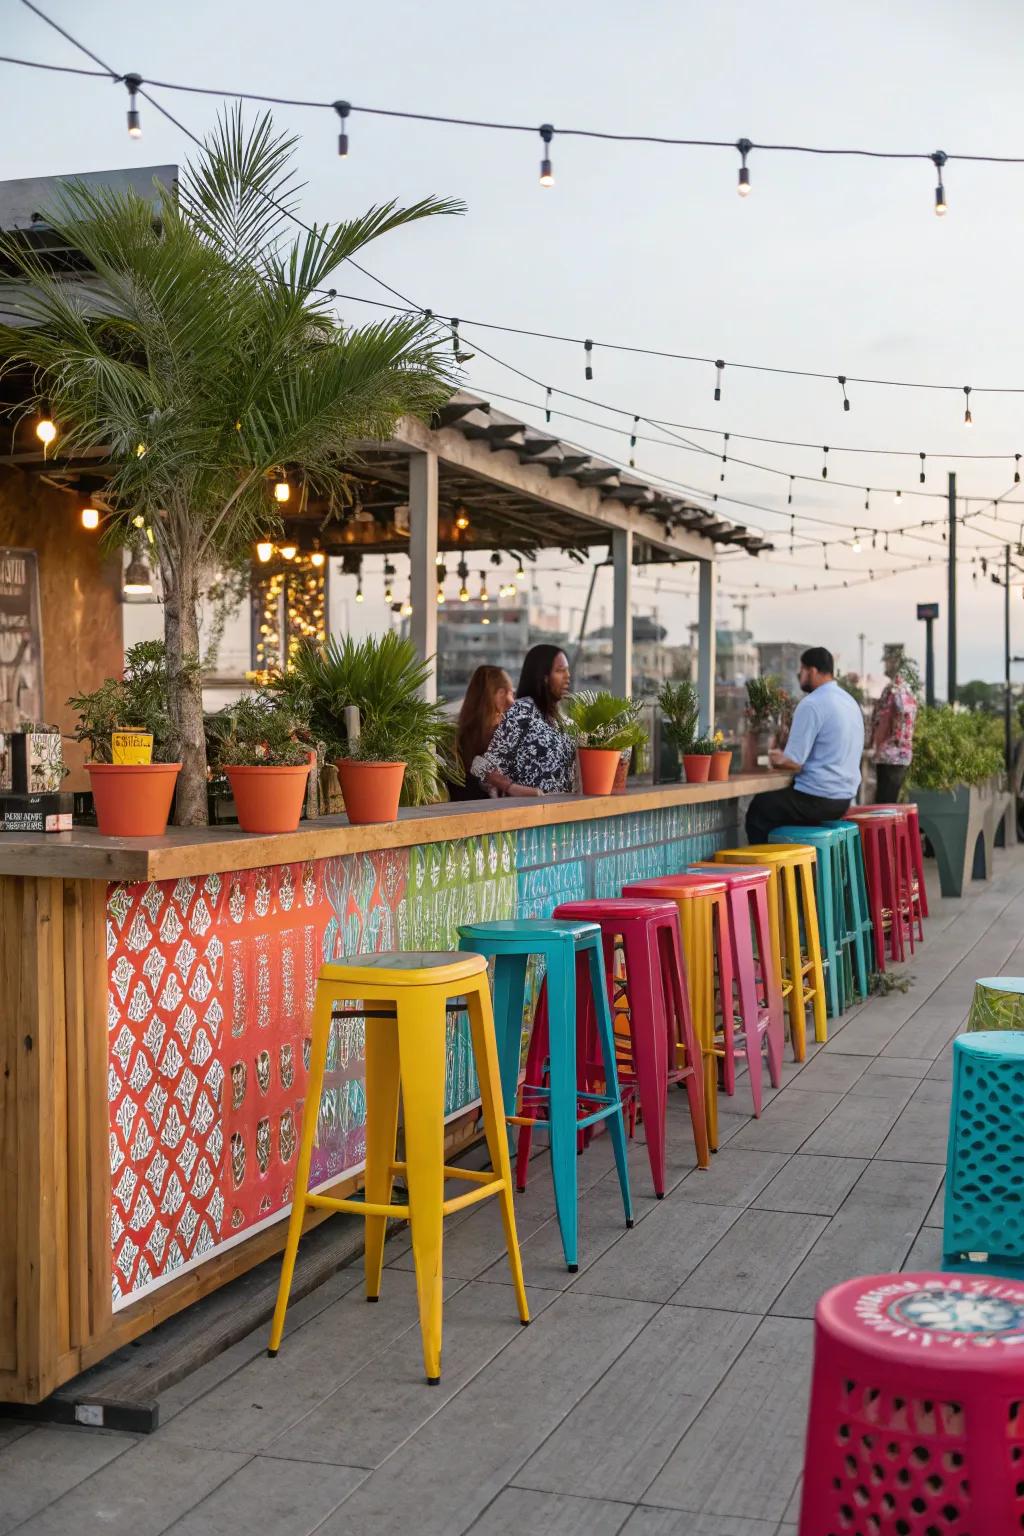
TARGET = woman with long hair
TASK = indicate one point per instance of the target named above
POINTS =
(488, 695)
(530, 752)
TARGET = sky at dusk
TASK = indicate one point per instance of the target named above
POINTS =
(833, 265)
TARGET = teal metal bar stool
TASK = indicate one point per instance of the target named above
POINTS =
(573, 957)
(860, 929)
(830, 901)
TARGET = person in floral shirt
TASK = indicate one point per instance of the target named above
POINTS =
(892, 728)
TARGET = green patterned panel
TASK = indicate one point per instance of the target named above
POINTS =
(471, 880)
(998, 1003)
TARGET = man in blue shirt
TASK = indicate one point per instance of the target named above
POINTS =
(826, 741)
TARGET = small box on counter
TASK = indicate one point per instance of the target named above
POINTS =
(37, 762)
(36, 813)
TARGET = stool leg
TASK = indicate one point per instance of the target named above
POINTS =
(677, 1002)
(648, 1030)
(794, 955)
(485, 1049)
(724, 954)
(827, 919)
(421, 1049)
(562, 1056)
(606, 1035)
(697, 946)
(509, 1006)
(536, 1056)
(746, 986)
(322, 1011)
(814, 951)
(382, 1085)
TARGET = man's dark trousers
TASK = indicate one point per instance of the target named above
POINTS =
(790, 808)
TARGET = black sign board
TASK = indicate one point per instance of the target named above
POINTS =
(927, 610)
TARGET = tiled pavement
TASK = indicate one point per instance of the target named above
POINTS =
(659, 1392)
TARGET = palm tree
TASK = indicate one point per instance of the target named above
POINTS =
(198, 354)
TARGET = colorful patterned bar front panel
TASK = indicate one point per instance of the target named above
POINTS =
(210, 1004)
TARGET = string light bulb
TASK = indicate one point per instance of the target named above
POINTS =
(1016, 473)
(938, 160)
(824, 464)
(719, 370)
(133, 85)
(856, 545)
(46, 428)
(282, 490)
(898, 498)
(968, 418)
(90, 518)
(343, 108)
(289, 551)
(921, 475)
(842, 385)
(588, 354)
(389, 591)
(547, 175)
(462, 520)
(743, 186)
(264, 550)
(521, 574)
(406, 609)
(317, 558)
(484, 595)
(632, 443)
(360, 598)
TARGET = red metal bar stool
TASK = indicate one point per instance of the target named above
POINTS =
(899, 897)
(910, 813)
(659, 1046)
(757, 976)
(916, 1422)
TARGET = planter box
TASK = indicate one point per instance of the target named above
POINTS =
(960, 825)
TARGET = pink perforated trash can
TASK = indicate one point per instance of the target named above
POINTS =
(916, 1423)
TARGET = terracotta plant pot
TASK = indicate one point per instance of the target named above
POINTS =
(696, 767)
(133, 799)
(720, 765)
(269, 799)
(622, 773)
(371, 791)
(598, 767)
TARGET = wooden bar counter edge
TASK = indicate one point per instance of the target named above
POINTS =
(56, 1312)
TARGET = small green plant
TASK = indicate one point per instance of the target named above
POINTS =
(382, 678)
(680, 706)
(704, 746)
(138, 701)
(884, 982)
(602, 720)
(258, 731)
(955, 747)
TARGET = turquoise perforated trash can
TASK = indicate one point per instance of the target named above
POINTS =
(983, 1227)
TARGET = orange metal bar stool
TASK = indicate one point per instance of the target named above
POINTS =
(704, 921)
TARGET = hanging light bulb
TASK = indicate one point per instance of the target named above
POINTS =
(343, 109)
(743, 187)
(824, 464)
(520, 574)
(138, 579)
(867, 500)
(282, 490)
(939, 160)
(90, 517)
(968, 418)
(842, 385)
(483, 596)
(588, 367)
(289, 551)
(719, 370)
(856, 546)
(632, 443)
(264, 550)
(317, 558)
(1016, 473)
(389, 591)
(133, 84)
(46, 428)
(898, 498)
(921, 475)
(547, 175)
(406, 609)
(462, 520)
(359, 588)
(789, 498)
(725, 453)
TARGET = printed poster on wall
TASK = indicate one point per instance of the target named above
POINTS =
(21, 640)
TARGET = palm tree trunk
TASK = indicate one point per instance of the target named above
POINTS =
(185, 692)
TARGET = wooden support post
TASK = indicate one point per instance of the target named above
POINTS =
(622, 612)
(423, 559)
(706, 646)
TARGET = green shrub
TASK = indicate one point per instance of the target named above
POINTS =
(680, 706)
(602, 720)
(256, 732)
(953, 747)
(135, 702)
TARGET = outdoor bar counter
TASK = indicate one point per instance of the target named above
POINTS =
(155, 1005)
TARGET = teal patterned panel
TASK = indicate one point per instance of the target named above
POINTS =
(472, 880)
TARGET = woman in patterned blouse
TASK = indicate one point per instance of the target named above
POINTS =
(530, 752)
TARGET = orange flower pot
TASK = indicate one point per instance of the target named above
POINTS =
(598, 767)
(696, 767)
(720, 764)
(133, 799)
(371, 791)
(622, 773)
(269, 799)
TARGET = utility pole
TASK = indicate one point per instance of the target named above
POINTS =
(951, 595)
(1007, 722)
(861, 638)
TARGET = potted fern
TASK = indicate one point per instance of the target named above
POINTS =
(603, 727)
(255, 743)
(680, 706)
(132, 798)
(364, 698)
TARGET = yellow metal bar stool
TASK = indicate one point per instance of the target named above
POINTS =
(792, 908)
(405, 998)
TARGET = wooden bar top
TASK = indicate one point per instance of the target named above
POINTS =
(86, 855)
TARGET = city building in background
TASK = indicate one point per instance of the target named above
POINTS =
(781, 659)
(654, 662)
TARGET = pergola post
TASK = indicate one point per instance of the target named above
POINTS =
(706, 646)
(622, 612)
(423, 560)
